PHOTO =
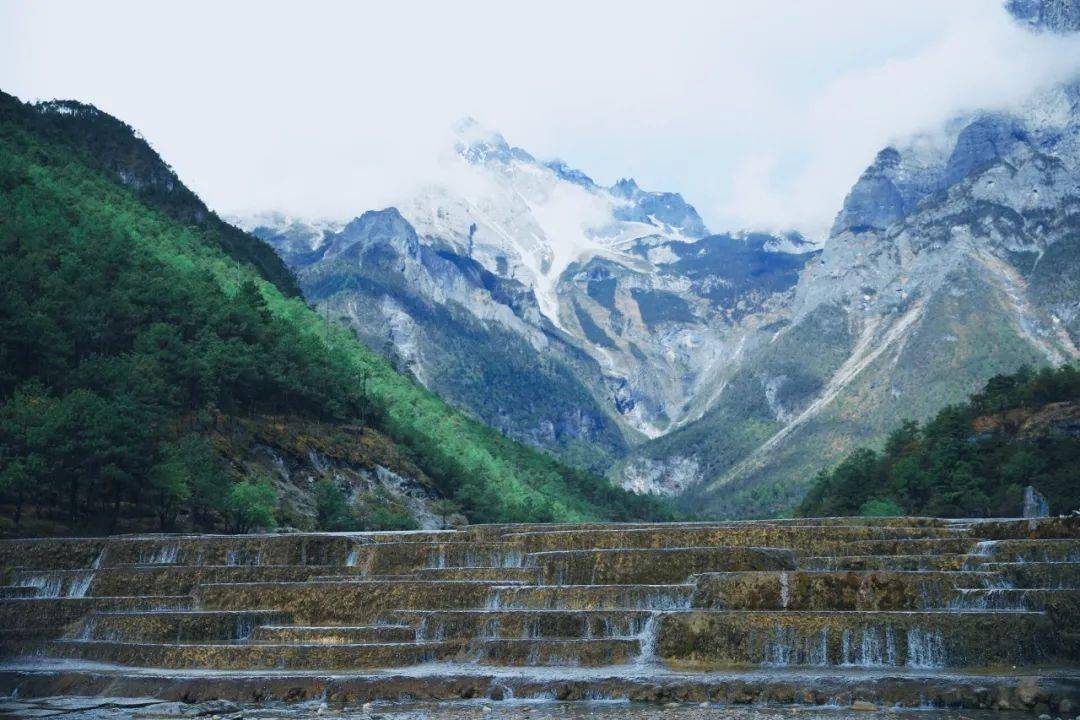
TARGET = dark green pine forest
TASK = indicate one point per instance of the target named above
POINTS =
(135, 324)
(970, 460)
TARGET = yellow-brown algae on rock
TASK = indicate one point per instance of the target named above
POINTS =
(893, 613)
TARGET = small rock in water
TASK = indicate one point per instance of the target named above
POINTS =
(215, 708)
(864, 706)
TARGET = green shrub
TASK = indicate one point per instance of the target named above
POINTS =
(880, 508)
(379, 511)
(332, 512)
(945, 467)
(251, 505)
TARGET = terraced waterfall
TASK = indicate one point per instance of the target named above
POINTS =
(903, 612)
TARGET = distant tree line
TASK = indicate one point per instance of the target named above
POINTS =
(970, 460)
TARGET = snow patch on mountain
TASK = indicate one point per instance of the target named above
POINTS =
(529, 220)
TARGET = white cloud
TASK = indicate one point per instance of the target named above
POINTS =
(760, 116)
(988, 63)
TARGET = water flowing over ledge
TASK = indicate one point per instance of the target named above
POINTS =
(911, 612)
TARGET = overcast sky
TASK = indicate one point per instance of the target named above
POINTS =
(761, 114)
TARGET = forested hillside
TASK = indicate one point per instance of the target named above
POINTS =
(970, 460)
(134, 324)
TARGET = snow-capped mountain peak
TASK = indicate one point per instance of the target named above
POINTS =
(529, 220)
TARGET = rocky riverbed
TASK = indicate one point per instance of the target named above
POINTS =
(103, 708)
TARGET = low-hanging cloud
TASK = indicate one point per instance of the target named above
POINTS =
(762, 117)
(990, 64)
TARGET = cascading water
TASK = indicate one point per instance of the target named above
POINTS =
(437, 559)
(876, 648)
(354, 559)
(969, 599)
(428, 631)
(80, 584)
(491, 628)
(648, 638)
(49, 585)
(785, 645)
(508, 559)
(925, 648)
(166, 555)
(979, 554)
(245, 626)
(495, 600)
(236, 558)
(875, 611)
(87, 630)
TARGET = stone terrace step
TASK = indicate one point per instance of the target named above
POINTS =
(295, 549)
(59, 583)
(332, 634)
(522, 624)
(891, 562)
(283, 549)
(1038, 574)
(548, 652)
(895, 546)
(1042, 528)
(53, 614)
(916, 639)
(388, 558)
(255, 656)
(18, 591)
(835, 590)
(52, 553)
(528, 575)
(170, 579)
(653, 565)
(753, 535)
(826, 694)
(1051, 550)
(591, 597)
(180, 626)
(851, 521)
(901, 597)
(348, 602)
(1055, 602)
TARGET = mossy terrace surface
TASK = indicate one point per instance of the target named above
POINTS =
(907, 612)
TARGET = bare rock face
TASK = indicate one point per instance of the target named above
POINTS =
(571, 316)
(1035, 505)
(1059, 16)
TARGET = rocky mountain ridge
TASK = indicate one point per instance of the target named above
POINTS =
(573, 316)
(941, 271)
(606, 325)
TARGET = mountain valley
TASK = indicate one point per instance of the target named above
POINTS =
(610, 327)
